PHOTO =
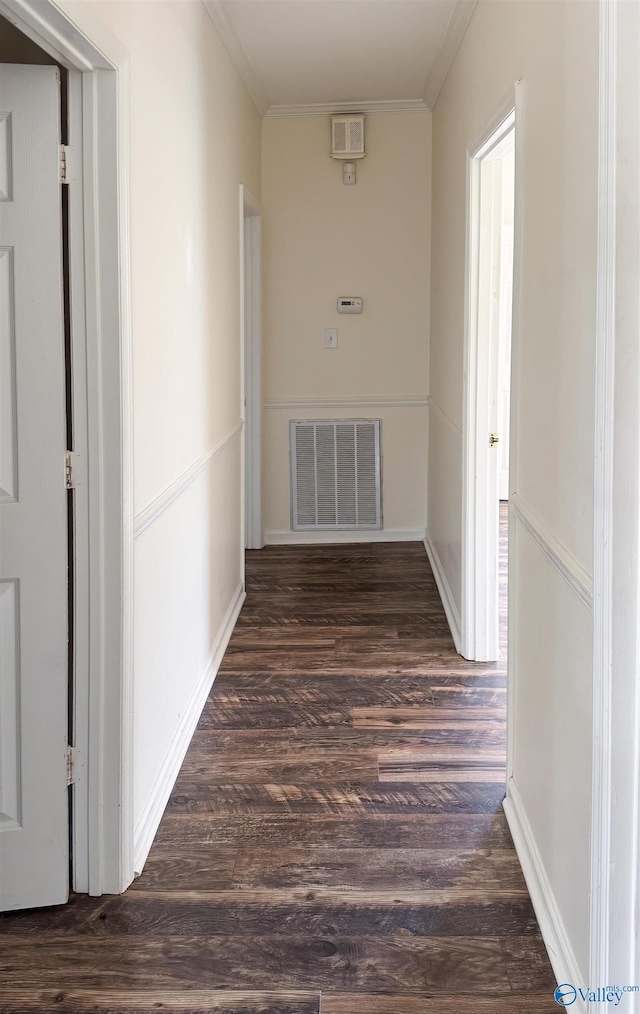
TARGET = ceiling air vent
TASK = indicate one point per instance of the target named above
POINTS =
(335, 474)
(347, 137)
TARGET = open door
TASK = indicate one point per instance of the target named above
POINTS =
(34, 836)
(487, 384)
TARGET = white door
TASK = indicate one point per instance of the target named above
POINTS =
(506, 312)
(34, 839)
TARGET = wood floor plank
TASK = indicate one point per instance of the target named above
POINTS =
(211, 869)
(360, 1003)
(285, 830)
(378, 869)
(385, 659)
(203, 768)
(424, 717)
(188, 1001)
(310, 739)
(318, 913)
(351, 690)
(469, 697)
(482, 736)
(528, 963)
(355, 797)
(69, 918)
(402, 964)
(437, 764)
(219, 715)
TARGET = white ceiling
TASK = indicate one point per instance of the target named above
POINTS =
(341, 53)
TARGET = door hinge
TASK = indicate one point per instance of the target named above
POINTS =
(67, 156)
(493, 439)
(73, 470)
(68, 470)
(71, 765)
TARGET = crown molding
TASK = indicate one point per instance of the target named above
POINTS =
(353, 401)
(368, 107)
(456, 27)
(237, 52)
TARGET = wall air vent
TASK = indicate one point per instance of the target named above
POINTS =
(347, 137)
(335, 474)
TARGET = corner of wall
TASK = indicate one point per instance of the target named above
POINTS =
(149, 820)
(448, 600)
(556, 939)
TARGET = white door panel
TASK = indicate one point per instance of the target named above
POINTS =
(34, 843)
(506, 310)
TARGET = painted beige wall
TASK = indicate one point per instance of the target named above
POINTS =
(553, 48)
(195, 136)
(323, 240)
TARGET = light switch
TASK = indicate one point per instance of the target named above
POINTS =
(331, 337)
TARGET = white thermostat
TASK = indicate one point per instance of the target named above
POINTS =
(349, 304)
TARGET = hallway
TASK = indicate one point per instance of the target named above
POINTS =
(336, 828)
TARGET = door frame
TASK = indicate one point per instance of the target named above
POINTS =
(480, 601)
(102, 819)
(251, 367)
(615, 851)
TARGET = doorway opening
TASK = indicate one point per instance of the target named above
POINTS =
(488, 392)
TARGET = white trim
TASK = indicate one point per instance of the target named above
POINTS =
(251, 368)
(154, 808)
(442, 415)
(518, 251)
(368, 107)
(148, 517)
(70, 33)
(554, 934)
(382, 401)
(603, 557)
(81, 509)
(289, 538)
(448, 601)
(454, 34)
(576, 576)
(237, 52)
(75, 38)
(480, 597)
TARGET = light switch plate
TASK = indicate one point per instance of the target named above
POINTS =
(331, 337)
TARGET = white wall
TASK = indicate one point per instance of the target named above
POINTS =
(195, 136)
(553, 48)
(323, 240)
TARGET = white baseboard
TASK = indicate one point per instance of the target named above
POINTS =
(288, 538)
(554, 934)
(448, 601)
(151, 816)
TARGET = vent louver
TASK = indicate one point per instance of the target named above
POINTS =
(347, 137)
(335, 474)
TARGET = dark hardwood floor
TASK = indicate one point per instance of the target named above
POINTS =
(335, 840)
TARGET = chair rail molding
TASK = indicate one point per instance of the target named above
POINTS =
(161, 503)
(443, 416)
(558, 555)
